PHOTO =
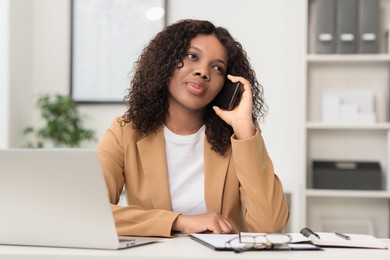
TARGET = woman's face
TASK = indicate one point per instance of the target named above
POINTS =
(194, 85)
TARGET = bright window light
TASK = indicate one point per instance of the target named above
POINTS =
(155, 13)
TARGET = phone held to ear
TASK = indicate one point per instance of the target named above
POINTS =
(227, 97)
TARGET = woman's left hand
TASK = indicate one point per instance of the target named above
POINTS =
(240, 118)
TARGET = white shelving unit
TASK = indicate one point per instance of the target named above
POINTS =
(321, 193)
(362, 211)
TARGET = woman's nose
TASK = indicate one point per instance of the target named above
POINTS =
(203, 73)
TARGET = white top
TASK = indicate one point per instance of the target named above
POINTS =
(186, 171)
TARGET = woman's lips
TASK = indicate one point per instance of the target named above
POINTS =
(195, 88)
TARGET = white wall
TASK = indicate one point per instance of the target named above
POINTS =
(4, 61)
(20, 73)
(272, 32)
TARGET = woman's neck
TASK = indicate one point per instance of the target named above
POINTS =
(184, 122)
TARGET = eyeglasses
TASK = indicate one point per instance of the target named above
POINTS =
(244, 243)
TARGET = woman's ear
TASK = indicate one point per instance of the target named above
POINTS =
(179, 63)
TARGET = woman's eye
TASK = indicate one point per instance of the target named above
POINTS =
(219, 69)
(192, 56)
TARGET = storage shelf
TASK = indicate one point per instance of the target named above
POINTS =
(348, 126)
(324, 193)
(320, 58)
(354, 140)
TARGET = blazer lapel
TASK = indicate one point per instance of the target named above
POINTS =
(215, 170)
(153, 158)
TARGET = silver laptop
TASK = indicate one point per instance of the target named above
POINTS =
(58, 198)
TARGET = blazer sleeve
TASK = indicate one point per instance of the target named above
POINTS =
(131, 219)
(265, 206)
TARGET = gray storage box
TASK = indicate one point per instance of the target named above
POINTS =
(347, 175)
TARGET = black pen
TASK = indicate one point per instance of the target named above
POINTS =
(343, 235)
(307, 232)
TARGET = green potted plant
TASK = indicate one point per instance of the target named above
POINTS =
(63, 124)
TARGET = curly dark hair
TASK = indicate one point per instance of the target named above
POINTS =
(147, 97)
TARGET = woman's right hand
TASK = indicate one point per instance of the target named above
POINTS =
(204, 223)
(240, 118)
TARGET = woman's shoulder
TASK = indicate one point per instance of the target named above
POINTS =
(126, 131)
(120, 125)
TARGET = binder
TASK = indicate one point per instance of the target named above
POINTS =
(368, 24)
(346, 26)
(325, 26)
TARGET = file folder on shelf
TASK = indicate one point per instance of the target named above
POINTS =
(368, 24)
(346, 26)
(325, 26)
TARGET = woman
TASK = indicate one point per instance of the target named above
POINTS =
(187, 165)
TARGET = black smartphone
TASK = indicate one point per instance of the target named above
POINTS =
(228, 96)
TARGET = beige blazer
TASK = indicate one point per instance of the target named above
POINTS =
(241, 185)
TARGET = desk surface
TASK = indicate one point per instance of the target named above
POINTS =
(184, 248)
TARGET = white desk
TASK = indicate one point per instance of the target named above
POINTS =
(184, 248)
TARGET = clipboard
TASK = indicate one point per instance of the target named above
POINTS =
(218, 242)
(214, 241)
